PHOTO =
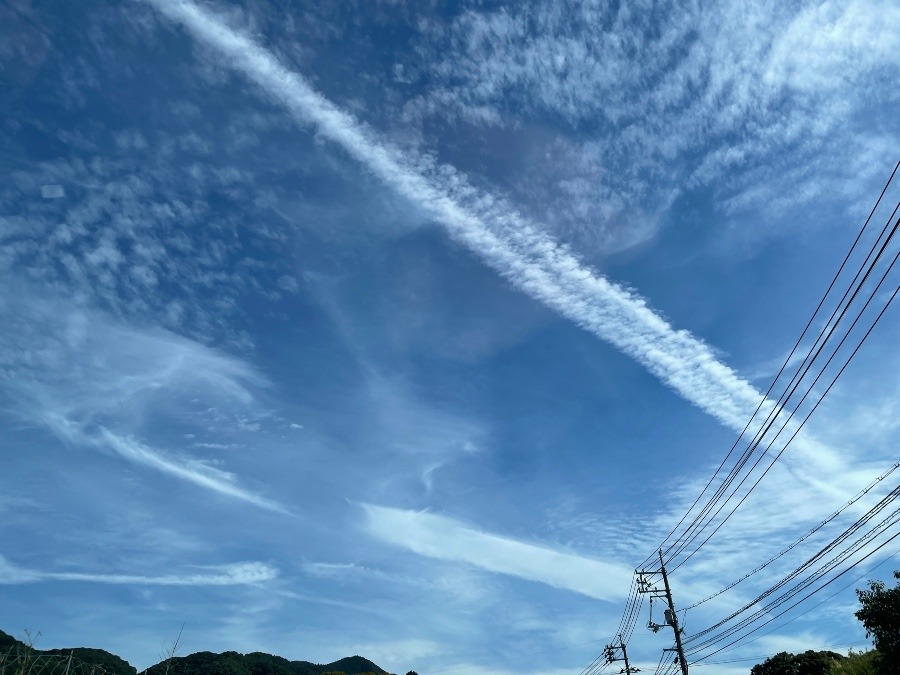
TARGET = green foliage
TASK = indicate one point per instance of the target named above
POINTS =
(7, 642)
(880, 614)
(859, 663)
(19, 658)
(780, 664)
(352, 665)
(258, 663)
(97, 657)
(808, 663)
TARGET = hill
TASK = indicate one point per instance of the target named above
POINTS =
(200, 663)
(258, 663)
(110, 663)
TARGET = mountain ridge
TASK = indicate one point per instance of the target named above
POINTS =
(200, 663)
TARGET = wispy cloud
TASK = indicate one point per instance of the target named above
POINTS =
(447, 539)
(755, 100)
(113, 377)
(513, 246)
(398, 654)
(236, 574)
(195, 472)
(521, 251)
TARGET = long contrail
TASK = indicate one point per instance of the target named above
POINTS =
(510, 244)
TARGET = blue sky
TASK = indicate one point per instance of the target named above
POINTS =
(407, 330)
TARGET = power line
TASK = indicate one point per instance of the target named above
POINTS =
(777, 409)
(831, 546)
(810, 594)
(814, 577)
(779, 414)
(818, 604)
(763, 657)
(793, 436)
(799, 541)
(786, 361)
(811, 561)
(831, 326)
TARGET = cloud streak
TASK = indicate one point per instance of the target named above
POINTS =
(198, 473)
(236, 574)
(92, 381)
(491, 228)
(447, 539)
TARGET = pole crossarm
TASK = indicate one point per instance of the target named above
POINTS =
(619, 652)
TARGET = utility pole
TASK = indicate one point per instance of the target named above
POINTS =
(612, 656)
(671, 618)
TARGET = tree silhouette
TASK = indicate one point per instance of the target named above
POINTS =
(808, 663)
(880, 614)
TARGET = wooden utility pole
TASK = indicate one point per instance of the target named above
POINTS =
(612, 656)
(672, 618)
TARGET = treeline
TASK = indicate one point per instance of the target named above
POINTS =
(879, 613)
(27, 659)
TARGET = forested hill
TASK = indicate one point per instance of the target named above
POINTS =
(201, 663)
(111, 663)
(258, 663)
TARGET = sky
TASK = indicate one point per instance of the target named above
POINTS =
(410, 330)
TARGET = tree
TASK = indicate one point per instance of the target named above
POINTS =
(780, 664)
(808, 663)
(880, 614)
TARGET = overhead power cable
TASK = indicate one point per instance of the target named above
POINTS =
(851, 550)
(844, 536)
(784, 365)
(809, 414)
(763, 657)
(803, 599)
(862, 493)
(777, 409)
(789, 441)
(665, 662)
(779, 418)
(821, 602)
(709, 515)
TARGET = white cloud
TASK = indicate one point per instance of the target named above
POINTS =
(830, 43)
(12, 574)
(236, 574)
(647, 100)
(515, 247)
(194, 472)
(510, 244)
(520, 251)
(91, 381)
(52, 191)
(772, 644)
(465, 668)
(341, 570)
(397, 655)
(447, 539)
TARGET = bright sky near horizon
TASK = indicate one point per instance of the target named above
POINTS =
(409, 329)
